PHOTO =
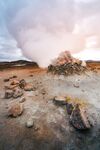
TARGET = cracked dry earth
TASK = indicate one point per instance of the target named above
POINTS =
(54, 131)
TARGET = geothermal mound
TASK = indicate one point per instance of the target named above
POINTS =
(66, 64)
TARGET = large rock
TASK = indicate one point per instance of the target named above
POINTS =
(28, 87)
(79, 118)
(9, 94)
(59, 100)
(17, 93)
(15, 110)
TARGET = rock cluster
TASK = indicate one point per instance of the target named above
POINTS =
(16, 88)
(66, 64)
(78, 115)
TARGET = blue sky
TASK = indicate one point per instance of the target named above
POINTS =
(8, 45)
(31, 28)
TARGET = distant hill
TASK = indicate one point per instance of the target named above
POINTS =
(93, 61)
(19, 63)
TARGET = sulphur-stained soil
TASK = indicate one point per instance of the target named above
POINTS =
(51, 128)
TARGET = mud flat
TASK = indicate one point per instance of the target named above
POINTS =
(51, 129)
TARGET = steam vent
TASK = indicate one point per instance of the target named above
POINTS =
(66, 64)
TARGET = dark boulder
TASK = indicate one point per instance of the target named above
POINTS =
(79, 118)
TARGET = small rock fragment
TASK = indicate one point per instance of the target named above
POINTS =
(76, 85)
(29, 123)
(6, 80)
(31, 75)
(22, 100)
(17, 93)
(22, 83)
(83, 64)
(14, 76)
(16, 110)
(8, 94)
(43, 91)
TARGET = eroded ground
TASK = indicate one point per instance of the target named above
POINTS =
(53, 129)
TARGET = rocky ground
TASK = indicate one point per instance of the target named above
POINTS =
(40, 123)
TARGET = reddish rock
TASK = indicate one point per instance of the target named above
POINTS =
(11, 87)
(28, 87)
(15, 110)
(15, 82)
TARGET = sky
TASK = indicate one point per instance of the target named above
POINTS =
(40, 30)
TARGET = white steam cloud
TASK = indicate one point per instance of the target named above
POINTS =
(45, 28)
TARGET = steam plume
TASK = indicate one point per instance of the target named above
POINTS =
(44, 29)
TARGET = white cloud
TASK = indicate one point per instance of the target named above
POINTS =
(84, 1)
(88, 54)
